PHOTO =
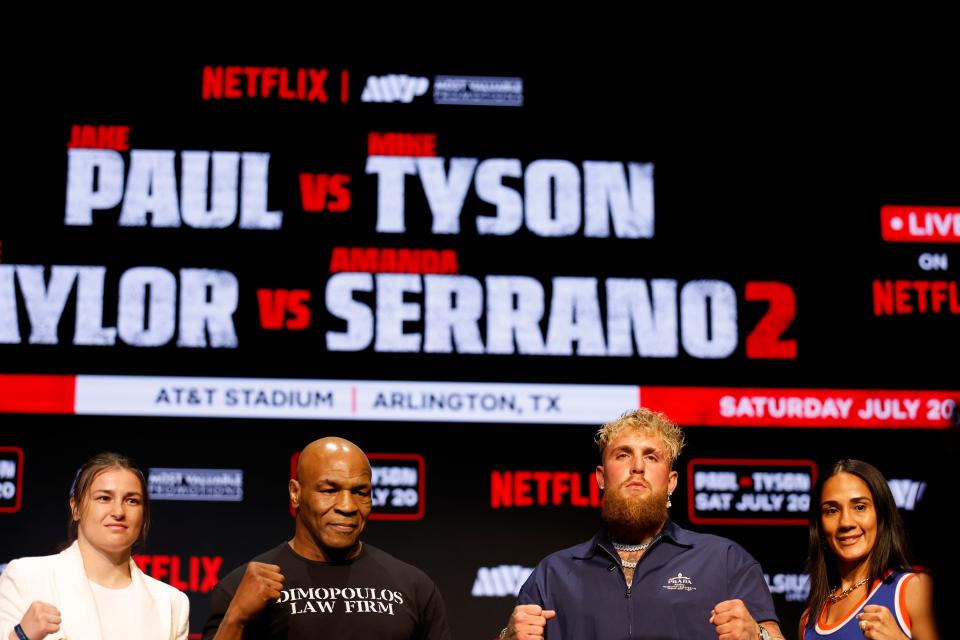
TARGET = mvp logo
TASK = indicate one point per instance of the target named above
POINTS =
(502, 581)
(907, 493)
(394, 88)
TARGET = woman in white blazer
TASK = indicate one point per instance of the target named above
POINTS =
(93, 589)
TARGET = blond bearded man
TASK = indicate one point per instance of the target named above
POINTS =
(642, 576)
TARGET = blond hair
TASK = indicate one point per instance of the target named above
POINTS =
(648, 423)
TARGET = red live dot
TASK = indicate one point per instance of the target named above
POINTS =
(746, 482)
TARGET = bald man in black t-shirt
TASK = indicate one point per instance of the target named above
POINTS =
(325, 582)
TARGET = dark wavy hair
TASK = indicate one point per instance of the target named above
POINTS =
(890, 550)
(80, 491)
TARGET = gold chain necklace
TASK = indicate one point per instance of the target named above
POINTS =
(843, 594)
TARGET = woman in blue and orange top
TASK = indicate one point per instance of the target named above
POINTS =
(861, 583)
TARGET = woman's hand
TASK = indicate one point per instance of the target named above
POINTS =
(40, 620)
(877, 623)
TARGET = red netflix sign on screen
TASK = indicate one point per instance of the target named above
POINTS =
(526, 488)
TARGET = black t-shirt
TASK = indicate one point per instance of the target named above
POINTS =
(372, 597)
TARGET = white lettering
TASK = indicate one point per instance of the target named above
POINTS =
(151, 188)
(445, 194)
(45, 303)
(7, 490)
(208, 300)
(490, 188)
(514, 308)
(146, 320)
(713, 501)
(89, 325)
(394, 477)
(359, 317)
(785, 407)
(889, 409)
(380, 497)
(8, 469)
(237, 181)
(556, 202)
(197, 184)
(652, 314)
(552, 189)
(708, 312)
(716, 480)
(9, 323)
(760, 502)
(253, 194)
(575, 316)
(85, 169)
(392, 311)
(631, 207)
(764, 481)
(453, 307)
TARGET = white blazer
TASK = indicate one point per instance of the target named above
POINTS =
(161, 612)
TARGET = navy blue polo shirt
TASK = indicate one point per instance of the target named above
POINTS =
(676, 584)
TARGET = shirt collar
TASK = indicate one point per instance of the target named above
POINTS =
(601, 540)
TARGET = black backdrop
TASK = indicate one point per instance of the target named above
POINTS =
(754, 181)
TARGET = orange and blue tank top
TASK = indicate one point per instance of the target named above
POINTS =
(889, 592)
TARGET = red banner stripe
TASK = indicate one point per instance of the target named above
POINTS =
(760, 407)
(37, 393)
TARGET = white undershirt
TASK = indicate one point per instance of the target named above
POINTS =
(115, 607)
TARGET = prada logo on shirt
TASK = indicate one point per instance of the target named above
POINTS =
(680, 582)
(340, 600)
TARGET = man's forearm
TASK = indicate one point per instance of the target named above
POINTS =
(230, 628)
(773, 628)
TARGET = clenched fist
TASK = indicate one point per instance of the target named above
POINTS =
(528, 622)
(40, 620)
(732, 621)
(261, 584)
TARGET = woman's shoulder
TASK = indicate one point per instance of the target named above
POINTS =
(915, 595)
(918, 582)
(29, 572)
(908, 579)
(32, 563)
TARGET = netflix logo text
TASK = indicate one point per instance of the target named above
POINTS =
(510, 489)
(187, 573)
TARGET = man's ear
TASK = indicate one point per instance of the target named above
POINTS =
(294, 490)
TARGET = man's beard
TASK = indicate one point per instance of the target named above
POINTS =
(630, 517)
